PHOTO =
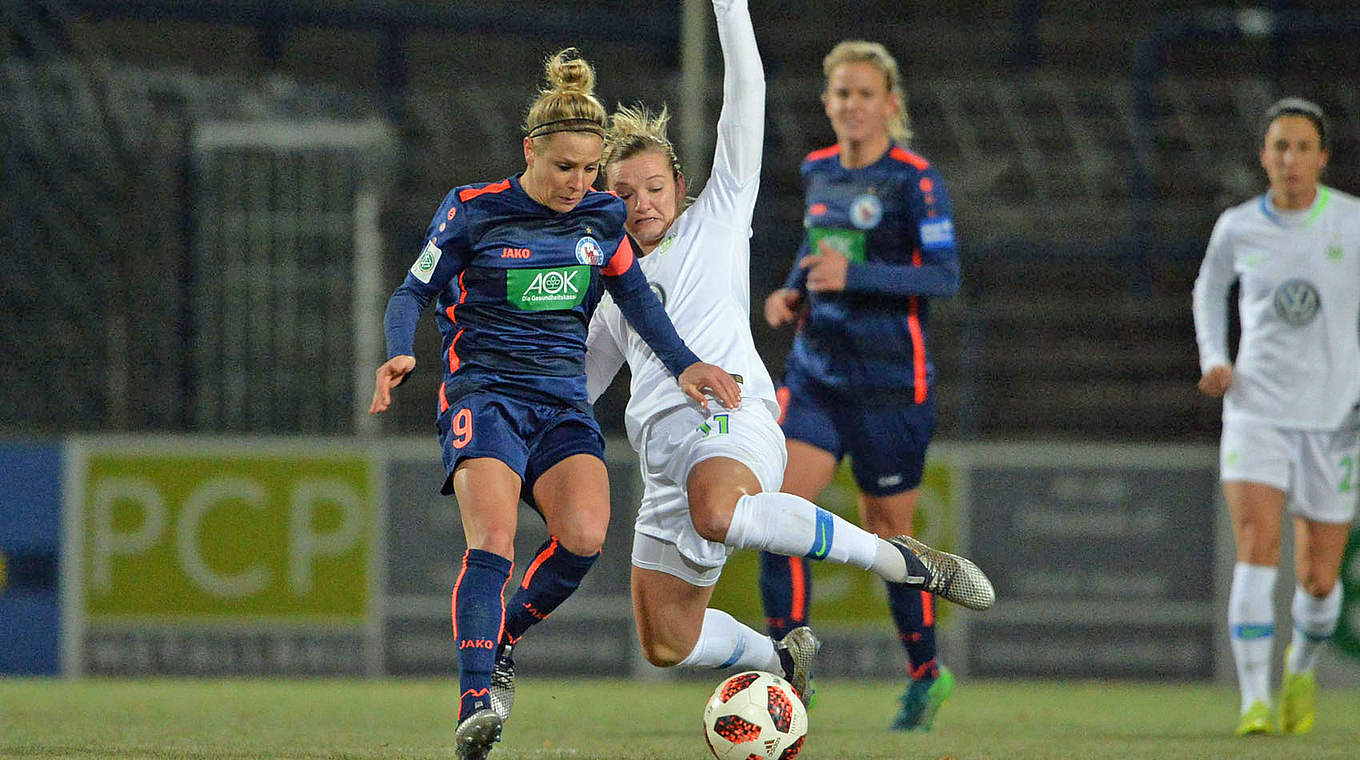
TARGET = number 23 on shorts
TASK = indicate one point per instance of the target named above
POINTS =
(462, 428)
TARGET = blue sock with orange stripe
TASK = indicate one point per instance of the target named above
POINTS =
(785, 592)
(552, 577)
(913, 611)
(478, 614)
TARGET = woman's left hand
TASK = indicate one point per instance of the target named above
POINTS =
(826, 269)
(701, 378)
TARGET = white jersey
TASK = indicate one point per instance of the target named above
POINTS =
(1298, 360)
(701, 268)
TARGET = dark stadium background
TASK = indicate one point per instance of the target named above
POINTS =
(165, 283)
(1088, 149)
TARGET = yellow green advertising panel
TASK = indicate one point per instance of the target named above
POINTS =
(234, 534)
(842, 594)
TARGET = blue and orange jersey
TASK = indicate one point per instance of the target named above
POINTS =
(892, 219)
(516, 283)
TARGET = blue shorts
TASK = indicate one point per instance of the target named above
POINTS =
(528, 437)
(886, 443)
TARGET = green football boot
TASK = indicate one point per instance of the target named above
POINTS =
(1298, 701)
(1255, 719)
(922, 700)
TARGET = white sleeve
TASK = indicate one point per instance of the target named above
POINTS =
(741, 124)
(1215, 278)
(603, 355)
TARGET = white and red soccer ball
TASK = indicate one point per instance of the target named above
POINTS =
(755, 716)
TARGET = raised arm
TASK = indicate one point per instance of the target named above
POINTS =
(741, 124)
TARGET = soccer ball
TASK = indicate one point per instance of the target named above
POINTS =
(755, 716)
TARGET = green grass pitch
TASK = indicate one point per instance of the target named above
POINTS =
(193, 719)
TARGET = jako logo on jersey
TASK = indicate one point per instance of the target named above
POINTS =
(546, 289)
(514, 253)
(423, 269)
(1297, 302)
(476, 644)
(866, 212)
(588, 252)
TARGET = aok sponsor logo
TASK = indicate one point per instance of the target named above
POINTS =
(547, 289)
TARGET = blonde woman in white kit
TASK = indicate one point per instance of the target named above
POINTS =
(712, 477)
(1290, 437)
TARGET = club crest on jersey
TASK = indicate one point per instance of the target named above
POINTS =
(1297, 302)
(866, 211)
(589, 252)
(659, 291)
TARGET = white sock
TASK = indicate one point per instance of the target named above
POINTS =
(1251, 624)
(1314, 621)
(725, 642)
(786, 524)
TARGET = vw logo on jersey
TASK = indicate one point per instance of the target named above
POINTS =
(866, 212)
(1297, 302)
(659, 291)
(588, 252)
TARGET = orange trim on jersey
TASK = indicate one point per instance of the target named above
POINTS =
(818, 155)
(473, 192)
(918, 350)
(462, 296)
(783, 395)
(443, 400)
(918, 341)
(907, 157)
(542, 557)
(927, 609)
(623, 259)
(798, 611)
(454, 361)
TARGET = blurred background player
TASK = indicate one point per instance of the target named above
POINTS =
(711, 480)
(879, 243)
(517, 267)
(1289, 403)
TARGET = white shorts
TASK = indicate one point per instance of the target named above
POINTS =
(671, 446)
(1316, 469)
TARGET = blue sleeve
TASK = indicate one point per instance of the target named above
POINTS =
(445, 255)
(797, 279)
(647, 317)
(937, 274)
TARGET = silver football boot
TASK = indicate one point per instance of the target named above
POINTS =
(476, 733)
(796, 652)
(943, 574)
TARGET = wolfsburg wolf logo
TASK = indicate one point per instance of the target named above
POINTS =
(1297, 302)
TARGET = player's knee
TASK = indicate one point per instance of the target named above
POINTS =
(662, 654)
(582, 537)
(1317, 586)
(711, 517)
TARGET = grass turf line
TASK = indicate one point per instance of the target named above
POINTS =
(240, 719)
